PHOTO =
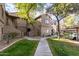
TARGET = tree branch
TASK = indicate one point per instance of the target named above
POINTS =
(29, 11)
(62, 18)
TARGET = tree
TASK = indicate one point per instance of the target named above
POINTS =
(27, 11)
(69, 21)
(60, 10)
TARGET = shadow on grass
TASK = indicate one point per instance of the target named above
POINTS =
(63, 48)
(21, 48)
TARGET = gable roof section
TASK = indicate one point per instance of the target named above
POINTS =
(11, 16)
(41, 16)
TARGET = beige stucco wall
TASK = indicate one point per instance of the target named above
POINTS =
(2, 12)
(46, 25)
(21, 25)
(1, 25)
(35, 29)
(0, 34)
(10, 27)
(2, 18)
(46, 30)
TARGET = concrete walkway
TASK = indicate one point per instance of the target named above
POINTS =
(32, 38)
(43, 48)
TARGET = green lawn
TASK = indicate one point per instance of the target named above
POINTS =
(62, 48)
(21, 48)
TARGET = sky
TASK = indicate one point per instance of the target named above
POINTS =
(11, 7)
(47, 5)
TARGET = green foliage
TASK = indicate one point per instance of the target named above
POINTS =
(62, 48)
(63, 9)
(11, 35)
(21, 48)
(60, 9)
(69, 21)
(25, 9)
(28, 10)
(67, 35)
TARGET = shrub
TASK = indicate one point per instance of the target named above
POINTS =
(67, 35)
(9, 36)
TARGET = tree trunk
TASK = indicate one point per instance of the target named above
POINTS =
(58, 27)
(8, 41)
